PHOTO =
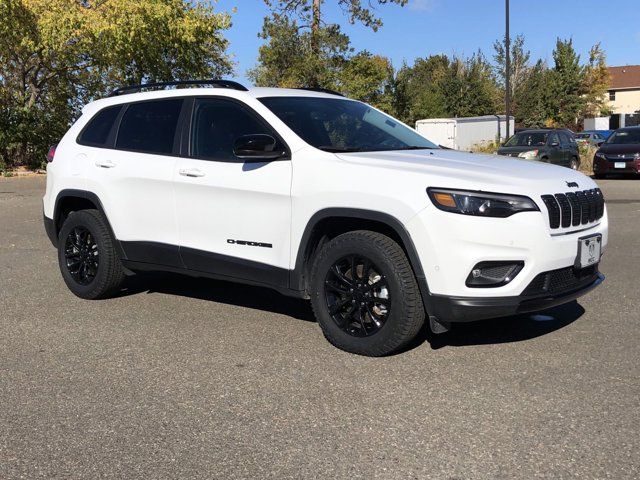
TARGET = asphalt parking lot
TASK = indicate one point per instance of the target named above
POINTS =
(180, 378)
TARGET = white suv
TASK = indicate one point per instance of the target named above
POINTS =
(320, 197)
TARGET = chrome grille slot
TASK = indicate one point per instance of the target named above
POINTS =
(576, 211)
(565, 209)
(553, 209)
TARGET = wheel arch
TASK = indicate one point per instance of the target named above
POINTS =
(331, 222)
(73, 200)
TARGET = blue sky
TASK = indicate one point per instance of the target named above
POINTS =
(426, 27)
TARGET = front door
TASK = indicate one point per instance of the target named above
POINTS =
(234, 217)
(554, 149)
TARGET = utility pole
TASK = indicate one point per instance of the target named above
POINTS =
(507, 47)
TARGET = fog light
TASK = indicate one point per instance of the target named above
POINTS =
(493, 274)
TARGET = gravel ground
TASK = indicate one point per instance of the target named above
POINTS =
(180, 378)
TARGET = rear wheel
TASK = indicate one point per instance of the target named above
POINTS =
(364, 294)
(87, 257)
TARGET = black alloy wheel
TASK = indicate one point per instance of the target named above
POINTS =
(364, 293)
(87, 255)
(357, 296)
(81, 255)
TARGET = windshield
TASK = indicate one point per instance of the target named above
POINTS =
(621, 137)
(337, 125)
(527, 139)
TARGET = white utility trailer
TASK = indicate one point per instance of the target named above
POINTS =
(465, 133)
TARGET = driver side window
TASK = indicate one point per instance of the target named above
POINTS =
(553, 139)
(218, 123)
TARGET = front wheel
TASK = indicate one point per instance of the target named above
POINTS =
(574, 164)
(364, 294)
(88, 260)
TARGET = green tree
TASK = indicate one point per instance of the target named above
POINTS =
(302, 50)
(57, 54)
(291, 59)
(567, 78)
(369, 78)
(519, 69)
(310, 11)
(596, 83)
(470, 88)
(441, 87)
(418, 92)
(535, 98)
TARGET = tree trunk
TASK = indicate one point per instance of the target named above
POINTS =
(315, 29)
(315, 21)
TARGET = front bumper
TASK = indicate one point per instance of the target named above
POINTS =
(450, 309)
(602, 166)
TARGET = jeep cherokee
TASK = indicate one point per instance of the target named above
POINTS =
(320, 197)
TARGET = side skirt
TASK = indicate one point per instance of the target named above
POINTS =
(153, 256)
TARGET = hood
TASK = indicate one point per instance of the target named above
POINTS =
(612, 148)
(455, 169)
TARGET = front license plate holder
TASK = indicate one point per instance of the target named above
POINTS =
(620, 165)
(589, 251)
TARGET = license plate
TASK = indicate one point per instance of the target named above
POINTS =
(589, 250)
(620, 165)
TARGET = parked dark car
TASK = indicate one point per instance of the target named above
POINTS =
(619, 154)
(549, 145)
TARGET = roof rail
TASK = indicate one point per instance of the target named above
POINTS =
(321, 90)
(159, 85)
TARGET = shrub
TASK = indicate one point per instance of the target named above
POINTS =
(586, 158)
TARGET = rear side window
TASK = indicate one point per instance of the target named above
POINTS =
(97, 130)
(149, 127)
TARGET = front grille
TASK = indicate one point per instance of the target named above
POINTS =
(563, 280)
(624, 157)
(574, 208)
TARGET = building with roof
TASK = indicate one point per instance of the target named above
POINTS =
(624, 96)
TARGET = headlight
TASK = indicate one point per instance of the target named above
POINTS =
(480, 204)
(601, 155)
(529, 154)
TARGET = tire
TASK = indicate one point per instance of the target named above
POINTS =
(574, 164)
(599, 176)
(85, 238)
(385, 310)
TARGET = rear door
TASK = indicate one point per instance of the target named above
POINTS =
(234, 217)
(133, 179)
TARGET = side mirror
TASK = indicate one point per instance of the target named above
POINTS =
(257, 147)
(554, 144)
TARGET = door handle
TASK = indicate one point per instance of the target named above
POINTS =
(191, 172)
(105, 164)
